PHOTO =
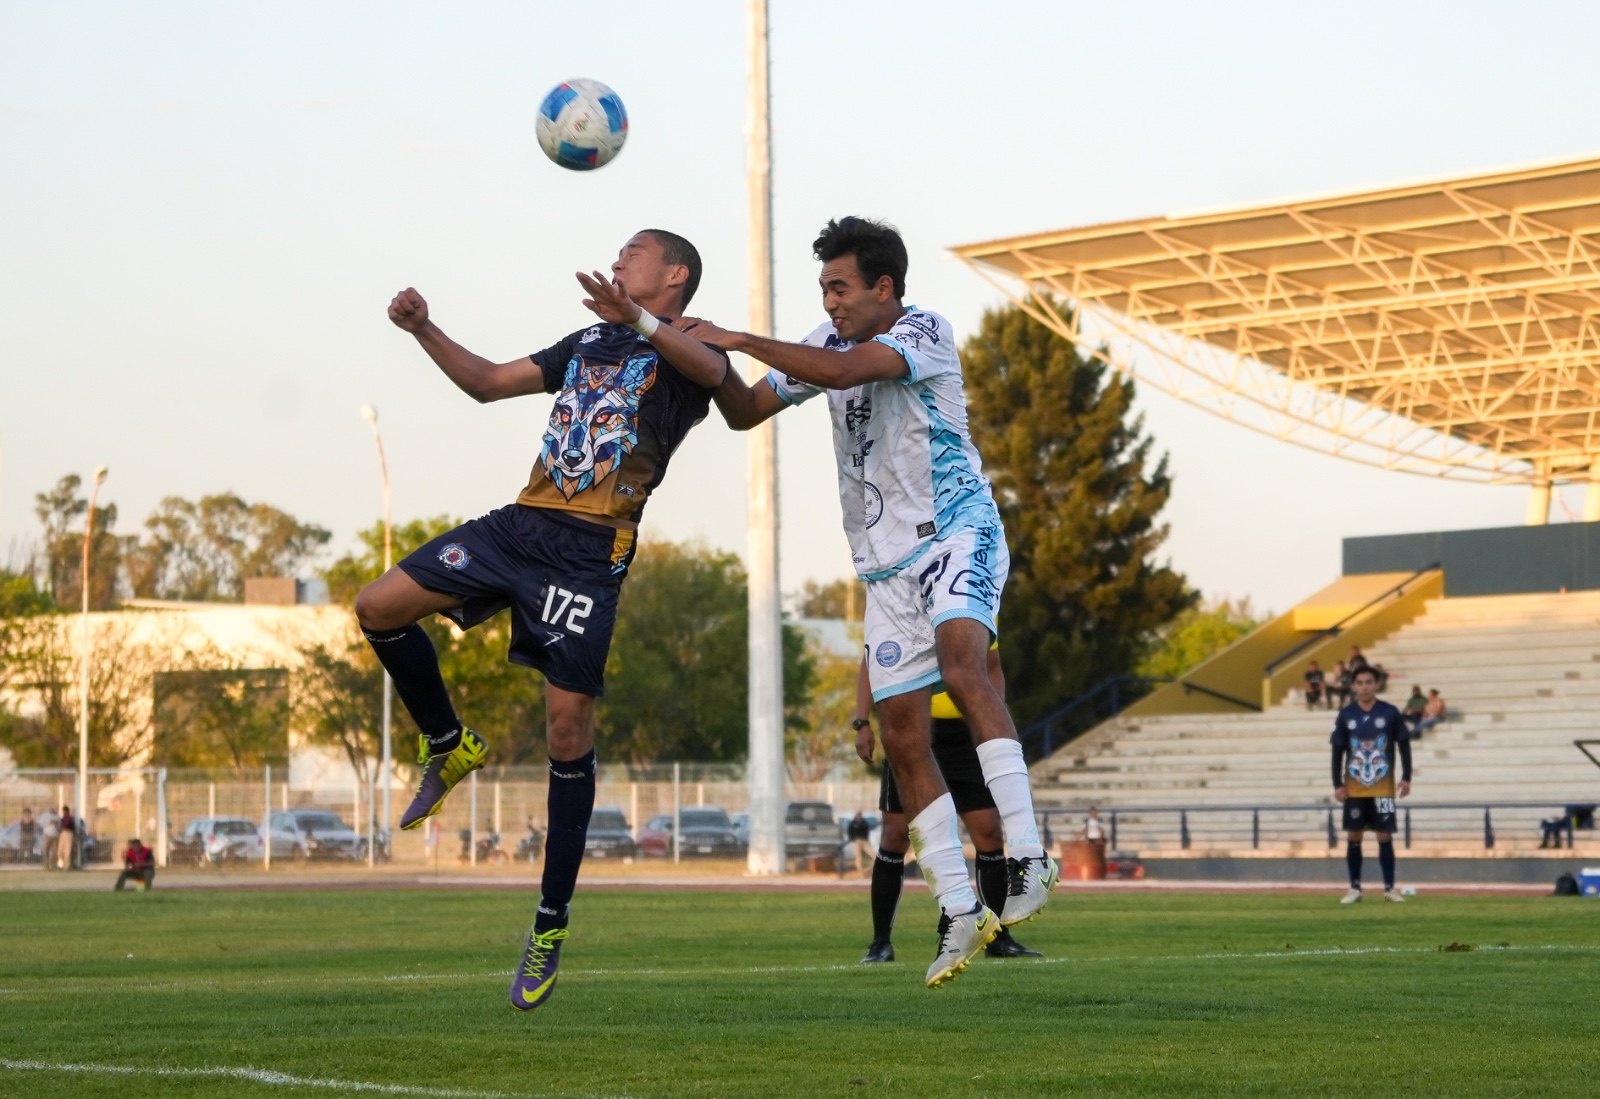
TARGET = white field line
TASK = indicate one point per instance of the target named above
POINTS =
(858, 967)
(256, 1076)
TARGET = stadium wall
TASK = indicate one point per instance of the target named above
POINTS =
(1492, 561)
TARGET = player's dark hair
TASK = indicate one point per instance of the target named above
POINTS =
(1366, 669)
(876, 245)
(677, 250)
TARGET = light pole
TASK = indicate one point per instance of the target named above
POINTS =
(370, 414)
(82, 796)
(765, 769)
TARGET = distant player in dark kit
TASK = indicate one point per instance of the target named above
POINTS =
(963, 775)
(1367, 735)
(628, 389)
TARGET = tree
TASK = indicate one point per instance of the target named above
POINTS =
(1196, 635)
(354, 571)
(213, 711)
(41, 674)
(677, 683)
(207, 549)
(1079, 494)
(338, 703)
(61, 510)
(842, 598)
(823, 737)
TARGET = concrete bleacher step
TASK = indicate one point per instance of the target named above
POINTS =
(1521, 675)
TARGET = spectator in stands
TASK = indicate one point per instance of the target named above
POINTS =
(1432, 712)
(27, 836)
(859, 833)
(67, 847)
(1313, 685)
(139, 864)
(1412, 711)
(1383, 677)
(1357, 659)
(1339, 687)
(51, 839)
(1093, 830)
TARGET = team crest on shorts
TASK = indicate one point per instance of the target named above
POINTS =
(454, 556)
(888, 654)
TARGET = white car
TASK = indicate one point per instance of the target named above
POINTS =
(212, 841)
(314, 834)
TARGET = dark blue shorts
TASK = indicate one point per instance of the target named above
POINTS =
(559, 575)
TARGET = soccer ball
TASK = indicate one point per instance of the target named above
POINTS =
(582, 125)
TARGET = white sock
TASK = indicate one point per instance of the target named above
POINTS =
(1006, 775)
(938, 848)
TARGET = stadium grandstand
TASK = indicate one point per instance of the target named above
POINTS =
(1445, 328)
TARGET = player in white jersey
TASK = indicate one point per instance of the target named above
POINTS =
(926, 536)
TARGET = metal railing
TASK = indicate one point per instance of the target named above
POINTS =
(1105, 699)
(1337, 628)
(1159, 825)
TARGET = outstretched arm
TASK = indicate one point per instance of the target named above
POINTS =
(819, 366)
(475, 375)
(609, 301)
(743, 405)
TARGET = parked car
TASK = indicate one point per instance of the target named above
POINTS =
(741, 828)
(809, 830)
(707, 833)
(11, 844)
(217, 840)
(609, 835)
(1124, 864)
(314, 834)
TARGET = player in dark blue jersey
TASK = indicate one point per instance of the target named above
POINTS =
(1367, 736)
(628, 389)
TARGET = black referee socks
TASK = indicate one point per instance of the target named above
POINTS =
(992, 884)
(888, 877)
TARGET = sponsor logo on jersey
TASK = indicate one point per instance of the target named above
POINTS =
(454, 556)
(888, 654)
(590, 335)
(925, 530)
(927, 328)
(873, 510)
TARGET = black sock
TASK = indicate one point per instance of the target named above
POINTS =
(409, 658)
(1352, 858)
(992, 884)
(888, 876)
(571, 802)
(1386, 861)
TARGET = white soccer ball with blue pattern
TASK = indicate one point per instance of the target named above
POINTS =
(582, 125)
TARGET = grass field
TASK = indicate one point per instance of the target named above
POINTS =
(678, 993)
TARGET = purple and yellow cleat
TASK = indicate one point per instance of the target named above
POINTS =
(535, 981)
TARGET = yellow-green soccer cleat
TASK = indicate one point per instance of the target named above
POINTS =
(960, 939)
(440, 773)
(535, 981)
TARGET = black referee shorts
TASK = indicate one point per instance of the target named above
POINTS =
(957, 757)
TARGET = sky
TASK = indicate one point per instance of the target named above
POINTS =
(206, 208)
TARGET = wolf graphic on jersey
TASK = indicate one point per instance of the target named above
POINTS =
(1368, 766)
(595, 422)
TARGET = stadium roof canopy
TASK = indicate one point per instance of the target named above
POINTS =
(1449, 328)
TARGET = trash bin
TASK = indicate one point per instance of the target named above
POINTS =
(1083, 860)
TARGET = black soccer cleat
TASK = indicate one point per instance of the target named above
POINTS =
(881, 950)
(1004, 946)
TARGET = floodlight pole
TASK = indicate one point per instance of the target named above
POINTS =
(385, 770)
(80, 799)
(765, 770)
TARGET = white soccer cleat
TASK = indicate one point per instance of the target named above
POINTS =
(1030, 886)
(1393, 895)
(1352, 897)
(960, 939)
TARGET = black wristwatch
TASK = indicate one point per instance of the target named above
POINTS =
(860, 723)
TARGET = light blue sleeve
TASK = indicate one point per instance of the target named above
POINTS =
(926, 342)
(790, 390)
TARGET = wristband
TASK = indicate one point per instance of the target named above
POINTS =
(646, 325)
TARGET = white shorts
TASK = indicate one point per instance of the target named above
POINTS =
(960, 577)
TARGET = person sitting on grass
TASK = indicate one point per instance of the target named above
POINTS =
(139, 864)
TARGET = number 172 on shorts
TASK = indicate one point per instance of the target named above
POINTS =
(564, 609)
